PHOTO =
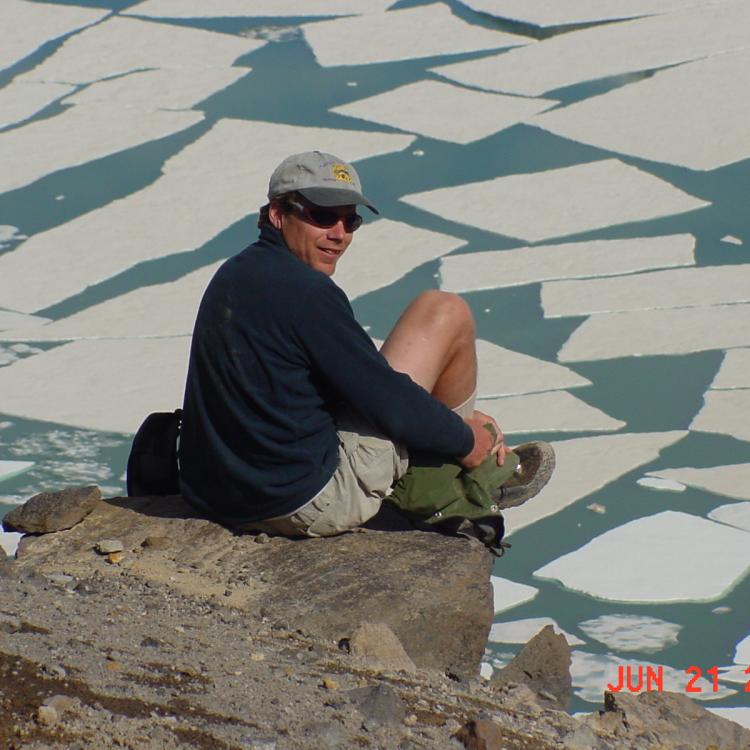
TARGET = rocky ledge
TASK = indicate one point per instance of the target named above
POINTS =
(132, 623)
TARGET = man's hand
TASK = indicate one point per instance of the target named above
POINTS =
(488, 440)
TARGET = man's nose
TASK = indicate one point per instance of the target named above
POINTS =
(337, 231)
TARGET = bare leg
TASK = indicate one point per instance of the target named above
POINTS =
(433, 343)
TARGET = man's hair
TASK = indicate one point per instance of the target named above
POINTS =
(282, 200)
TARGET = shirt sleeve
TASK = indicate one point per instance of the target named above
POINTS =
(340, 351)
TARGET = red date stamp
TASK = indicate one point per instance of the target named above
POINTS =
(637, 679)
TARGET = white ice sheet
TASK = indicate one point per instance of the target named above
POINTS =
(653, 559)
(610, 50)
(522, 631)
(732, 480)
(666, 485)
(27, 26)
(423, 31)
(605, 458)
(176, 213)
(99, 385)
(504, 372)
(681, 287)
(733, 514)
(15, 320)
(632, 632)
(507, 594)
(20, 101)
(554, 411)
(443, 111)
(592, 673)
(653, 332)
(742, 652)
(150, 311)
(122, 45)
(10, 469)
(545, 13)
(9, 541)
(78, 135)
(165, 88)
(384, 250)
(251, 8)
(528, 265)
(698, 100)
(734, 371)
(558, 202)
(725, 412)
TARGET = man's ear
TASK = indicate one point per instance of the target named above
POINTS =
(274, 214)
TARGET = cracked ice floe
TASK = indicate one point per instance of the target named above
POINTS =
(632, 632)
(254, 8)
(423, 31)
(592, 673)
(441, 110)
(122, 45)
(681, 287)
(734, 371)
(610, 50)
(739, 715)
(544, 13)
(725, 413)
(10, 469)
(151, 311)
(742, 652)
(174, 214)
(507, 594)
(653, 559)
(655, 483)
(98, 385)
(554, 411)
(658, 332)
(733, 514)
(558, 202)
(529, 265)
(19, 101)
(503, 372)
(9, 541)
(698, 100)
(521, 631)
(374, 260)
(732, 480)
(33, 24)
(78, 135)
(15, 320)
(605, 458)
(165, 88)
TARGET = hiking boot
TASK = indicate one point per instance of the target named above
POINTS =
(536, 464)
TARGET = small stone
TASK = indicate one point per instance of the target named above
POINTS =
(330, 684)
(379, 704)
(481, 734)
(59, 579)
(262, 538)
(61, 703)
(114, 666)
(288, 671)
(53, 511)
(257, 657)
(47, 715)
(114, 558)
(228, 592)
(597, 508)
(410, 720)
(56, 671)
(155, 542)
(377, 645)
(108, 546)
(721, 610)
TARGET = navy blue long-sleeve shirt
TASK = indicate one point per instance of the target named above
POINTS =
(276, 350)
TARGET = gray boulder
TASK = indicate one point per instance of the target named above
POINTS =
(53, 511)
(432, 591)
(544, 665)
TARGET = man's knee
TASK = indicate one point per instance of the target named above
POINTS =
(447, 310)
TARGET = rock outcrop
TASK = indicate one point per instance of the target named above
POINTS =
(53, 511)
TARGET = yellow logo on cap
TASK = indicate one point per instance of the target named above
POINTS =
(341, 173)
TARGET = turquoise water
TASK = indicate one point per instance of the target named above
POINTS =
(649, 393)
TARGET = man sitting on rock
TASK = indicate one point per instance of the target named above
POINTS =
(293, 422)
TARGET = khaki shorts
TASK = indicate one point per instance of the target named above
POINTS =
(368, 466)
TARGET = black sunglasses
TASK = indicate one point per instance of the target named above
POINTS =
(326, 217)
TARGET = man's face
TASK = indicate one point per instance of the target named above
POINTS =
(302, 226)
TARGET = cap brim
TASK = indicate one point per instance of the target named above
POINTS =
(336, 197)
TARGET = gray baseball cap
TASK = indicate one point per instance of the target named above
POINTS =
(323, 179)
